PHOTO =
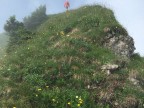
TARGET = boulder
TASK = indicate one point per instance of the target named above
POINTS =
(108, 68)
(121, 45)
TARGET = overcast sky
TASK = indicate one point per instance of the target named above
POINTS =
(130, 13)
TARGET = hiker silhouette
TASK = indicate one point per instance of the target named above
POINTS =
(67, 5)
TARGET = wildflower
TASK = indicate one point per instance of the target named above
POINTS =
(53, 100)
(28, 48)
(68, 103)
(68, 35)
(78, 105)
(62, 33)
(36, 95)
(14, 107)
(47, 86)
(39, 89)
(81, 101)
(76, 96)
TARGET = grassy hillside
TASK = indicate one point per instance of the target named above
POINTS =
(61, 66)
(3, 44)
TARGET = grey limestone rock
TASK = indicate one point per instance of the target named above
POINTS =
(120, 45)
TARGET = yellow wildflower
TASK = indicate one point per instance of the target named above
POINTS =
(47, 86)
(39, 89)
(36, 95)
(81, 101)
(14, 107)
(76, 96)
(68, 103)
(78, 105)
(62, 33)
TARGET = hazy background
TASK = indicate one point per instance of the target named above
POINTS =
(130, 13)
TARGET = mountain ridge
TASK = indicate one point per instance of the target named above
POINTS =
(67, 64)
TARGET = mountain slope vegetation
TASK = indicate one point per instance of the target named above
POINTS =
(3, 43)
(60, 66)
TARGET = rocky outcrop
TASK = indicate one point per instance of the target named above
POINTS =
(121, 44)
(108, 68)
(133, 77)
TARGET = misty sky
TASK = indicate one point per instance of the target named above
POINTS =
(130, 13)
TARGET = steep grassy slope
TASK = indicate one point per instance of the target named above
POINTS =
(61, 66)
(3, 43)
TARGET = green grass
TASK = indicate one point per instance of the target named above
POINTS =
(55, 69)
(3, 44)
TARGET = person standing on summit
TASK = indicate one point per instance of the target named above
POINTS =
(67, 5)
